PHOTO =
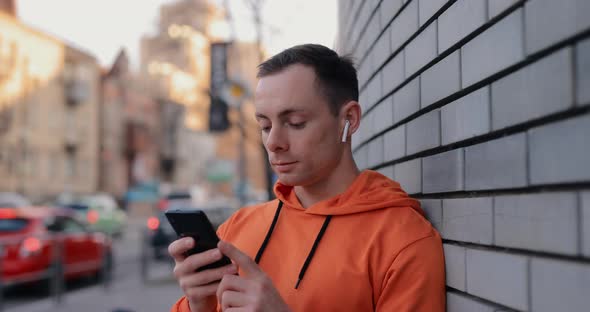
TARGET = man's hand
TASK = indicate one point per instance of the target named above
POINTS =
(253, 291)
(198, 287)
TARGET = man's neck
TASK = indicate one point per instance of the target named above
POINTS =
(336, 183)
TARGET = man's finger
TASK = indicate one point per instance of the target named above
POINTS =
(245, 263)
(231, 299)
(231, 283)
(208, 276)
(196, 261)
(178, 247)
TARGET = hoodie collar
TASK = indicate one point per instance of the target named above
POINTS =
(369, 191)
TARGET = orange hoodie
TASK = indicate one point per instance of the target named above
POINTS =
(377, 253)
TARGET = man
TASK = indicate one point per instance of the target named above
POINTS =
(335, 239)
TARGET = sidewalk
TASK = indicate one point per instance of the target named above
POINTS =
(127, 295)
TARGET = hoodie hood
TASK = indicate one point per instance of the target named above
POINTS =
(369, 191)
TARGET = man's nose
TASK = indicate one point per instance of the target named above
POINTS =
(276, 140)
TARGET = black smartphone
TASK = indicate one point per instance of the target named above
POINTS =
(194, 223)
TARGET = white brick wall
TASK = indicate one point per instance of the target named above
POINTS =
(540, 89)
(468, 220)
(440, 80)
(498, 277)
(495, 49)
(466, 117)
(487, 106)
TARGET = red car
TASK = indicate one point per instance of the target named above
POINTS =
(31, 239)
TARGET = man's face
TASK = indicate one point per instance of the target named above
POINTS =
(299, 132)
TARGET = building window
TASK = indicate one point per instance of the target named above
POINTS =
(70, 164)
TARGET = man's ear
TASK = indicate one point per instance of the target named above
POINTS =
(350, 111)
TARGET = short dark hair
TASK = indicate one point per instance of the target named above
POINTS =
(336, 75)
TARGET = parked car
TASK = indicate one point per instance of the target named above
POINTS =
(176, 200)
(10, 200)
(100, 212)
(33, 239)
(159, 234)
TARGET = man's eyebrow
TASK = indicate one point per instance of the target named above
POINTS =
(283, 113)
(259, 116)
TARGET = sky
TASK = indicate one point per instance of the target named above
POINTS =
(103, 27)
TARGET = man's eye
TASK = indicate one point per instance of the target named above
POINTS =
(300, 125)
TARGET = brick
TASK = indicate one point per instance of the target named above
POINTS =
(542, 222)
(365, 130)
(364, 72)
(493, 50)
(466, 117)
(405, 25)
(496, 7)
(548, 22)
(406, 101)
(468, 220)
(559, 152)
(388, 10)
(585, 214)
(362, 20)
(583, 72)
(409, 176)
(496, 164)
(387, 171)
(374, 90)
(364, 53)
(381, 50)
(440, 80)
(443, 172)
(394, 143)
(540, 89)
(423, 132)
(375, 156)
(421, 50)
(363, 99)
(455, 266)
(428, 8)
(459, 303)
(498, 277)
(433, 210)
(558, 285)
(383, 115)
(360, 157)
(393, 73)
(371, 34)
(459, 20)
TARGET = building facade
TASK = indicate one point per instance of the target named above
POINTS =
(49, 94)
(480, 110)
(130, 131)
(176, 65)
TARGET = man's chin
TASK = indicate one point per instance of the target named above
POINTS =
(291, 180)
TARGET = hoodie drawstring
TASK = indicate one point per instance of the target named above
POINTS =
(311, 252)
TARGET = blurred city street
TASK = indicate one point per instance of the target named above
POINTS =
(126, 292)
(106, 125)
(113, 113)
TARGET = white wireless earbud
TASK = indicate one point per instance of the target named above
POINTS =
(345, 132)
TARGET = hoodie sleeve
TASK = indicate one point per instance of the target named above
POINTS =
(181, 305)
(415, 280)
